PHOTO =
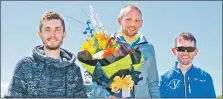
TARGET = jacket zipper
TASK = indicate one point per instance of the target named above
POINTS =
(185, 90)
(189, 84)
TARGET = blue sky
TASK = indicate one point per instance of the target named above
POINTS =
(163, 21)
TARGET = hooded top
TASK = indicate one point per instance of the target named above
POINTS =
(40, 76)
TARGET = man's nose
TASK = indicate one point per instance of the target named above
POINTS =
(132, 23)
(52, 33)
(185, 51)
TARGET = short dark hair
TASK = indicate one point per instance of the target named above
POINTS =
(49, 16)
(186, 36)
(131, 6)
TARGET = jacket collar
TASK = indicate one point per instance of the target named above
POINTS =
(119, 38)
(177, 68)
(66, 57)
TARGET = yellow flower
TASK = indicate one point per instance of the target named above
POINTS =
(128, 82)
(89, 41)
(100, 36)
(122, 83)
(98, 42)
(102, 40)
(86, 46)
(89, 46)
(116, 85)
(102, 44)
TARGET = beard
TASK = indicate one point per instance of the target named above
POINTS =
(128, 33)
(185, 62)
(52, 46)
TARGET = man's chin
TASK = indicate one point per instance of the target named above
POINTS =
(185, 63)
(131, 34)
(52, 47)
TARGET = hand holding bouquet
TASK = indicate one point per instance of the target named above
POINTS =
(109, 61)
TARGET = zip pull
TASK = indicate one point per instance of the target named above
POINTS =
(189, 84)
(185, 88)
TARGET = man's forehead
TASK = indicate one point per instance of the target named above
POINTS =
(52, 22)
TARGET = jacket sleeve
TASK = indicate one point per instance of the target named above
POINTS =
(162, 88)
(81, 90)
(210, 92)
(153, 77)
(18, 86)
(93, 89)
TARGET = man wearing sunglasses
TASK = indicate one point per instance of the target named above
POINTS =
(185, 80)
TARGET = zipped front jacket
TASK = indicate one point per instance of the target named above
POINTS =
(195, 84)
(149, 86)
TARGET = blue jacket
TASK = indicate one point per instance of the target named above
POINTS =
(148, 87)
(195, 84)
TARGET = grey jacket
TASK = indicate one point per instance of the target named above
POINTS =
(146, 88)
(40, 76)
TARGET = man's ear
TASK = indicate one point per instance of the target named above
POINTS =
(120, 21)
(196, 52)
(174, 51)
(40, 34)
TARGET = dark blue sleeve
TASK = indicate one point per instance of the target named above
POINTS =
(210, 92)
(80, 91)
(17, 87)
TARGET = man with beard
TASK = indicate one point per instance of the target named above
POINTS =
(185, 80)
(130, 20)
(51, 71)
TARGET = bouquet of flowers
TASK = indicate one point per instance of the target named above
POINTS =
(110, 62)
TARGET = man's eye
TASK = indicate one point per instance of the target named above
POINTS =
(47, 30)
(128, 19)
(58, 29)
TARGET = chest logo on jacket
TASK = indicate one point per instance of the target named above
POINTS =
(196, 79)
(174, 84)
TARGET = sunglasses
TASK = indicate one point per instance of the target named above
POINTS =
(183, 49)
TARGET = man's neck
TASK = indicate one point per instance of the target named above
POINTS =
(129, 39)
(52, 53)
(184, 68)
